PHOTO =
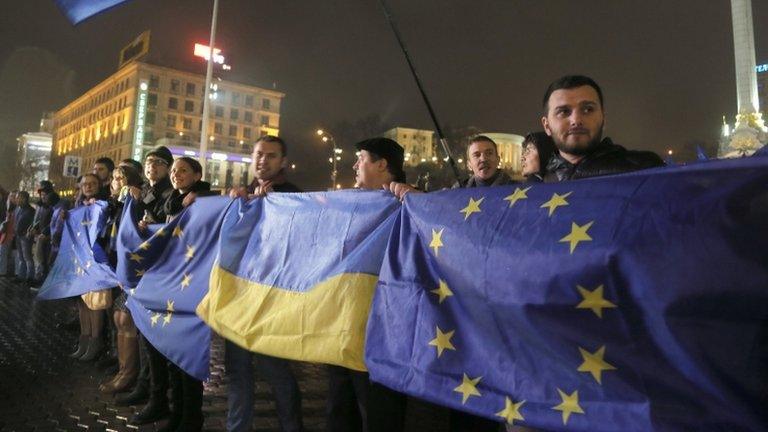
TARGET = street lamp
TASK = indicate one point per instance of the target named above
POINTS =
(335, 156)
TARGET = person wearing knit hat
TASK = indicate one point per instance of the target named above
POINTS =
(538, 148)
(161, 152)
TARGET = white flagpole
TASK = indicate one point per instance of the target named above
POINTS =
(207, 92)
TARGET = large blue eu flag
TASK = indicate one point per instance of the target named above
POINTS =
(165, 272)
(296, 273)
(81, 264)
(80, 10)
(634, 303)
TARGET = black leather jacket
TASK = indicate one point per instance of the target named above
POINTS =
(607, 158)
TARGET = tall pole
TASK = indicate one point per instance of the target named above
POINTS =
(207, 92)
(404, 49)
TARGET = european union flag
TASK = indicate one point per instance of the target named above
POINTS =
(296, 273)
(80, 10)
(633, 303)
(81, 264)
(165, 272)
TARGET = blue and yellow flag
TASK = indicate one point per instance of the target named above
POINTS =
(165, 272)
(633, 303)
(81, 264)
(296, 274)
(80, 10)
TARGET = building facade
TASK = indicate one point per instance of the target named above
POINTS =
(762, 84)
(510, 147)
(144, 105)
(419, 144)
(35, 151)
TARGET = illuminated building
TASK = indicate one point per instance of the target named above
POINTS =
(762, 84)
(35, 151)
(143, 105)
(510, 147)
(418, 144)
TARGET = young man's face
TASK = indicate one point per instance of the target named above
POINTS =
(155, 169)
(101, 171)
(268, 160)
(574, 119)
(370, 174)
(483, 159)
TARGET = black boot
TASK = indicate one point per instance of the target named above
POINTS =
(157, 407)
(177, 398)
(192, 415)
(139, 394)
(82, 347)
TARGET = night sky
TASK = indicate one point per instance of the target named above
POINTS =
(666, 67)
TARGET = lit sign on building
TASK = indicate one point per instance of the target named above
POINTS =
(135, 49)
(762, 68)
(141, 114)
(204, 51)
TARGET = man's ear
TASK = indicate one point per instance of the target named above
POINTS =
(545, 125)
(381, 164)
(284, 163)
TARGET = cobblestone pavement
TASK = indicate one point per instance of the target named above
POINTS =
(41, 389)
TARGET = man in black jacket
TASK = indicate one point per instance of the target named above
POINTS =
(574, 118)
(268, 169)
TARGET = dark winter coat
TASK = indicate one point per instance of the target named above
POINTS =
(606, 159)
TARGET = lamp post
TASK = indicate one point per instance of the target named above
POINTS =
(335, 155)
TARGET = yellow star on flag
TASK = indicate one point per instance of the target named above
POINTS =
(190, 252)
(160, 232)
(169, 305)
(437, 240)
(578, 234)
(88, 264)
(569, 405)
(144, 245)
(442, 341)
(140, 272)
(517, 195)
(594, 363)
(556, 201)
(472, 207)
(79, 271)
(177, 232)
(167, 318)
(186, 281)
(78, 233)
(153, 320)
(593, 300)
(468, 388)
(442, 291)
(136, 257)
(511, 411)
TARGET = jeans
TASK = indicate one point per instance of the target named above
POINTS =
(26, 264)
(6, 259)
(277, 372)
(42, 257)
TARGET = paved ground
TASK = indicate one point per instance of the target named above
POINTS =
(41, 389)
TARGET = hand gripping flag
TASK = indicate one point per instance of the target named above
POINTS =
(80, 10)
(166, 274)
(296, 274)
(81, 264)
(628, 303)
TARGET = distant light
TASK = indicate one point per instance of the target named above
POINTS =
(330, 160)
(204, 51)
(181, 133)
(338, 158)
(320, 132)
(445, 159)
(219, 156)
(338, 151)
(293, 166)
(669, 152)
(461, 160)
(434, 158)
(143, 86)
(241, 142)
(247, 160)
(189, 153)
(210, 138)
(325, 139)
(338, 186)
(762, 68)
(226, 67)
(423, 160)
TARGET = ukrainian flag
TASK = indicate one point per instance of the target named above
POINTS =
(296, 274)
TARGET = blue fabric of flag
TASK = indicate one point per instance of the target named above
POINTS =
(635, 302)
(80, 10)
(165, 272)
(700, 155)
(297, 271)
(81, 264)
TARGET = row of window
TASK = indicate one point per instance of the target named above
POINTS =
(97, 100)
(190, 89)
(218, 111)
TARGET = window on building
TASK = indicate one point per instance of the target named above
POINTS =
(152, 99)
(170, 121)
(149, 136)
(170, 135)
(190, 89)
(154, 81)
(231, 143)
(189, 106)
(235, 98)
(234, 114)
(248, 117)
(218, 128)
(219, 111)
(246, 132)
(232, 130)
(175, 86)
(248, 100)
(173, 103)
(187, 123)
(264, 120)
(266, 103)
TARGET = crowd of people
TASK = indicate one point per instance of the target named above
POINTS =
(570, 147)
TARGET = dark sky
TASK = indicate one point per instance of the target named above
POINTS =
(666, 67)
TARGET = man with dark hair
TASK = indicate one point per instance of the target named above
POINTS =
(6, 236)
(40, 231)
(574, 117)
(483, 160)
(103, 169)
(268, 168)
(354, 402)
(23, 217)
